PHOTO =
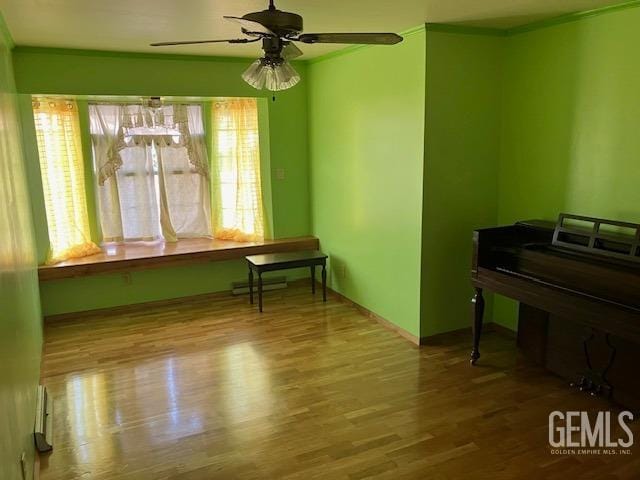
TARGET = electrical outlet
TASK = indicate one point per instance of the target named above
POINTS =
(280, 174)
(126, 278)
(343, 271)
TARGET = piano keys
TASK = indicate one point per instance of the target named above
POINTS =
(578, 284)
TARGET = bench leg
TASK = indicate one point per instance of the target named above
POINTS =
(250, 286)
(313, 278)
(260, 291)
(324, 283)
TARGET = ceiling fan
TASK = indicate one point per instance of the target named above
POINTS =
(278, 31)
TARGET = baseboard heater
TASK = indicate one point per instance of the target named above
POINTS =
(272, 283)
(43, 432)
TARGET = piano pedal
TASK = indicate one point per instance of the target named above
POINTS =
(592, 388)
(586, 387)
(580, 384)
(583, 384)
(605, 390)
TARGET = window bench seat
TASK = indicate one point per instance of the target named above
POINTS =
(145, 255)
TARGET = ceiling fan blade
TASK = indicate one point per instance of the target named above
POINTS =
(195, 42)
(249, 26)
(291, 51)
(359, 38)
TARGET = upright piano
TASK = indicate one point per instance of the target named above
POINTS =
(578, 284)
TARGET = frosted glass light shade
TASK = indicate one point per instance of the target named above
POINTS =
(272, 76)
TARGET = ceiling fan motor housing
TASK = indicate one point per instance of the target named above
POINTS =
(283, 24)
(272, 47)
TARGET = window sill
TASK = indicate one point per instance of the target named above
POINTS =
(128, 257)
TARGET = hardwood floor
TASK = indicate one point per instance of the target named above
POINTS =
(211, 389)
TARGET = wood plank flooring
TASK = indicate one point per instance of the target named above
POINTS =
(211, 389)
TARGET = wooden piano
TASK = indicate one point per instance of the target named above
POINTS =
(578, 284)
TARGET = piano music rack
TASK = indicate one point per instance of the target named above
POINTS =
(589, 237)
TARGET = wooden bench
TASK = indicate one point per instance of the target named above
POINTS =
(283, 261)
(127, 257)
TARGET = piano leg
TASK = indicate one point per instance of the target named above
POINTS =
(477, 310)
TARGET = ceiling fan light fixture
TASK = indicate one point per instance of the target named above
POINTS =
(272, 74)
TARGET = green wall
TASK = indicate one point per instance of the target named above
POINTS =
(103, 291)
(462, 143)
(405, 146)
(73, 72)
(20, 320)
(570, 123)
(571, 116)
(366, 139)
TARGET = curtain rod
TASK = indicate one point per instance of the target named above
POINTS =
(134, 98)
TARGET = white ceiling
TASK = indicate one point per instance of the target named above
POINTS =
(130, 25)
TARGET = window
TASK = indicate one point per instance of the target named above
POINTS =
(61, 166)
(152, 171)
(237, 188)
(155, 176)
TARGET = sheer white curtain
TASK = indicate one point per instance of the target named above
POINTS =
(105, 120)
(136, 198)
(152, 172)
(186, 181)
